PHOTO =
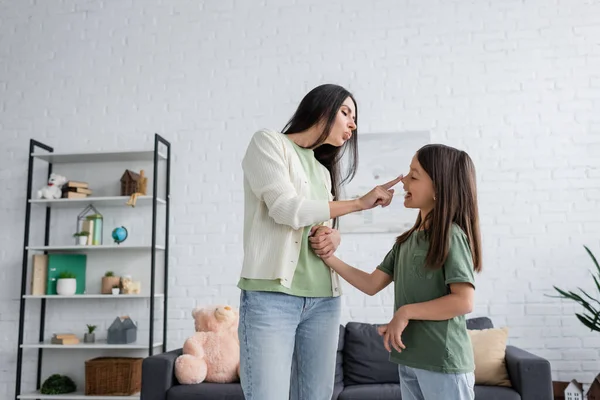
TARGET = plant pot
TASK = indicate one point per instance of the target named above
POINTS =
(66, 287)
(108, 282)
(82, 240)
(115, 290)
(89, 338)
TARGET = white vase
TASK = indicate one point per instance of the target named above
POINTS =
(66, 287)
(115, 290)
(82, 240)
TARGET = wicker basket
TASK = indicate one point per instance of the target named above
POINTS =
(116, 376)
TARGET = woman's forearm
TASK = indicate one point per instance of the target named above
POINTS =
(343, 207)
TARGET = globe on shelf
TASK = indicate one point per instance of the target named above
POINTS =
(119, 234)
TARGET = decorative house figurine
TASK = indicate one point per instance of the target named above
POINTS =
(594, 390)
(133, 185)
(574, 391)
(122, 331)
(132, 182)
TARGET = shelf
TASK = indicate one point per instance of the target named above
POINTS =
(109, 201)
(140, 254)
(96, 247)
(65, 158)
(93, 296)
(74, 396)
(99, 345)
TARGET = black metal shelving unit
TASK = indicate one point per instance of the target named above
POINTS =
(156, 156)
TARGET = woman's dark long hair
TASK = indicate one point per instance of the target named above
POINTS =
(453, 174)
(322, 104)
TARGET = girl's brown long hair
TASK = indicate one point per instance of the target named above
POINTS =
(453, 174)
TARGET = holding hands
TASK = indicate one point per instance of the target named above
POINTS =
(324, 240)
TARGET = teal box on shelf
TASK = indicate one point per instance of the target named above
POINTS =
(59, 263)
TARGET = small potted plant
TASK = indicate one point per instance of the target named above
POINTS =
(90, 336)
(66, 285)
(115, 289)
(109, 280)
(81, 237)
(58, 384)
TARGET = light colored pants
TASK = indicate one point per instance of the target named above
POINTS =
(287, 339)
(419, 384)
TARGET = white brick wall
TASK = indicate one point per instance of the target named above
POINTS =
(516, 84)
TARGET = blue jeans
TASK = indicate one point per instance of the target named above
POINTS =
(288, 339)
(419, 384)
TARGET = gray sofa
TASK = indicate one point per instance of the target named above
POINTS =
(363, 373)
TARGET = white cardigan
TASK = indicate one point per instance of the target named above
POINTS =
(276, 209)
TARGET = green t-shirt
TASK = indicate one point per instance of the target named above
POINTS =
(312, 277)
(441, 346)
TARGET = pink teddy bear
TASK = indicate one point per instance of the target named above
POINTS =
(212, 354)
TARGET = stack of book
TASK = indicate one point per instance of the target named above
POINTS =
(64, 338)
(75, 190)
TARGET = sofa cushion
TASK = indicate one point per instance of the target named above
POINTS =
(385, 391)
(489, 349)
(495, 393)
(338, 384)
(391, 391)
(206, 390)
(479, 323)
(365, 359)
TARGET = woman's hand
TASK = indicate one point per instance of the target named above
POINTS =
(324, 240)
(380, 195)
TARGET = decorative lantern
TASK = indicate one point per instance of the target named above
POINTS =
(91, 220)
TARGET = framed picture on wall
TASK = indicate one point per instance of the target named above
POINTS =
(382, 157)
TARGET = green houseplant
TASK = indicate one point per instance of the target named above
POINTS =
(58, 384)
(81, 237)
(109, 280)
(90, 337)
(66, 285)
(591, 316)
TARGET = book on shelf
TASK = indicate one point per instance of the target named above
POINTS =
(88, 226)
(76, 184)
(64, 338)
(73, 195)
(39, 274)
(76, 190)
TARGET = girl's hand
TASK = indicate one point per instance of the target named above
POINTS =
(380, 195)
(393, 332)
(324, 241)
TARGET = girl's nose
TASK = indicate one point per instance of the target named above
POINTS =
(352, 125)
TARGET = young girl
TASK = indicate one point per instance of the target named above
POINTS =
(432, 266)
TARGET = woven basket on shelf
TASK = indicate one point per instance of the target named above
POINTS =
(117, 376)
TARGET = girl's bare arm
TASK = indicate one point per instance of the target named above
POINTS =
(369, 283)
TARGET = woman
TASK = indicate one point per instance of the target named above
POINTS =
(290, 305)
